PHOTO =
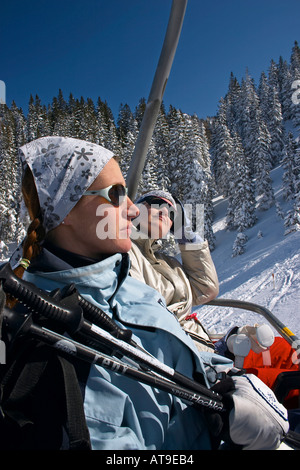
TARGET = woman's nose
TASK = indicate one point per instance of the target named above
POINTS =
(132, 210)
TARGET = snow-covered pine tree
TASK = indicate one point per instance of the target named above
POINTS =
(279, 210)
(18, 126)
(295, 56)
(128, 145)
(260, 144)
(176, 168)
(292, 218)
(283, 69)
(124, 123)
(38, 124)
(291, 184)
(259, 234)
(295, 73)
(193, 157)
(221, 150)
(149, 178)
(274, 76)
(161, 138)
(232, 99)
(201, 140)
(249, 104)
(59, 116)
(139, 111)
(290, 164)
(107, 132)
(32, 120)
(263, 90)
(19, 123)
(10, 177)
(76, 112)
(191, 183)
(275, 126)
(286, 93)
(238, 247)
(209, 189)
(5, 136)
(83, 120)
(289, 76)
(89, 123)
(271, 114)
(241, 202)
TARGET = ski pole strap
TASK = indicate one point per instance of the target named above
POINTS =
(41, 390)
(79, 438)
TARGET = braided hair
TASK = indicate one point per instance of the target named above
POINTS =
(35, 232)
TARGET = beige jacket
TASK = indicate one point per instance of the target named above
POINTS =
(192, 283)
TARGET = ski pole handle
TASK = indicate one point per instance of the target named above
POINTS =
(96, 315)
(66, 312)
(66, 306)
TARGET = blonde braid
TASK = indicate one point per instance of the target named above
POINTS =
(35, 232)
(31, 245)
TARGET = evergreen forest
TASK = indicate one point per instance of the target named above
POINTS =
(231, 154)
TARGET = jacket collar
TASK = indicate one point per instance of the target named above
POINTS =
(106, 276)
(148, 246)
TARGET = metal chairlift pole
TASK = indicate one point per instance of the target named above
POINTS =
(156, 95)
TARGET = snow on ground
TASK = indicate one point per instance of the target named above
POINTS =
(267, 273)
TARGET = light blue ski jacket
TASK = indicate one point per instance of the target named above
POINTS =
(121, 413)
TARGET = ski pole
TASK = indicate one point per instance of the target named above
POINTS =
(283, 330)
(19, 326)
(67, 313)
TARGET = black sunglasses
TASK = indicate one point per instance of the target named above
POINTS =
(160, 202)
(156, 200)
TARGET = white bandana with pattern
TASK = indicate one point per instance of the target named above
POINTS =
(63, 168)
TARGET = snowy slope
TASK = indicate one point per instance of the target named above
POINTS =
(267, 273)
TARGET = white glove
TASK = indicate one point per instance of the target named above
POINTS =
(182, 227)
(257, 420)
(261, 336)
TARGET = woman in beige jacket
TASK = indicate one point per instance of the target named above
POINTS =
(183, 285)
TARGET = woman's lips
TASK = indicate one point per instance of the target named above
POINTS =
(126, 230)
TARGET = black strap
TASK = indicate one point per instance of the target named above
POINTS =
(40, 371)
(77, 429)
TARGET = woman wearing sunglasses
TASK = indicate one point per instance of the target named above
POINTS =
(79, 234)
(183, 285)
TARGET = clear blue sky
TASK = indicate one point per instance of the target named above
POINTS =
(110, 48)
